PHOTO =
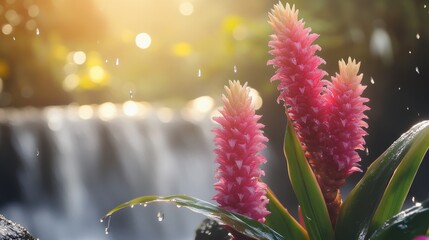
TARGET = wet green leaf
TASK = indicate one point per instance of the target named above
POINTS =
(240, 223)
(400, 183)
(361, 204)
(281, 221)
(306, 189)
(406, 225)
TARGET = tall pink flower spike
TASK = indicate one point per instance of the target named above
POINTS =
(323, 113)
(238, 142)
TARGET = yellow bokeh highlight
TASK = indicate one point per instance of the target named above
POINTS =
(4, 68)
(231, 22)
(182, 49)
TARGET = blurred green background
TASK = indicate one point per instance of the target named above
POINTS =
(58, 52)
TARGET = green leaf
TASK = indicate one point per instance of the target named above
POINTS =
(406, 225)
(240, 223)
(359, 207)
(281, 221)
(400, 183)
(307, 189)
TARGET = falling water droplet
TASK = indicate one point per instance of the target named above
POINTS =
(117, 61)
(37, 31)
(145, 205)
(367, 151)
(409, 52)
(417, 70)
(107, 61)
(199, 72)
(408, 108)
(37, 153)
(235, 69)
(106, 230)
(424, 6)
(131, 93)
(160, 216)
(132, 206)
(418, 36)
(399, 88)
(418, 114)
(14, 38)
(372, 81)
(101, 220)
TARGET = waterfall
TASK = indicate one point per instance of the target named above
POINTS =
(62, 168)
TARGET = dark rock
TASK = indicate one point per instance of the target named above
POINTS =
(212, 230)
(13, 231)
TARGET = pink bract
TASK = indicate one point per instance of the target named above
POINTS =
(238, 141)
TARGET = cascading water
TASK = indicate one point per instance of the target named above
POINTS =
(61, 170)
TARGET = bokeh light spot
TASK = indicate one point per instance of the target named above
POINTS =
(182, 49)
(79, 57)
(256, 99)
(130, 108)
(7, 29)
(71, 82)
(143, 40)
(97, 74)
(85, 112)
(33, 10)
(186, 8)
(107, 111)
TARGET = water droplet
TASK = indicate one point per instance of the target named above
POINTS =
(413, 199)
(418, 36)
(418, 114)
(132, 206)
(160, 216)
(399, 88)
(131, 93)
(367, 151)
(107, 61)
(37, 153)
(408, 108)
(101, 220)
(235, 69)
(178, 206)
(417, 70)
(117, 61)
(13, 38)
(106, 230)
(409, 52)
(199, 72)
(145, 205)
(37, 31)
(372, 81)
(424, 6)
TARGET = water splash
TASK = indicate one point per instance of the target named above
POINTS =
(160, 216)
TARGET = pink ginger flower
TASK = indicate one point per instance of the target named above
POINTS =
(326, 116)
(300, 78)
(345, 117)
(238, 141)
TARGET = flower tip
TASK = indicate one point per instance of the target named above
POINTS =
(349, 71)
